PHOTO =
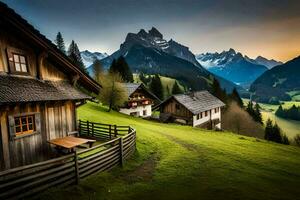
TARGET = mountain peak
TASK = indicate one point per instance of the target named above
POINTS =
(142, 33)
(232, 51)
(155, 33)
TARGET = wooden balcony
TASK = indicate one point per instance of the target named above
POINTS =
(133, 103)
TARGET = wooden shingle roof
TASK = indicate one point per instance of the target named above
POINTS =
(19, 90)
(132, 87)
(197, 102)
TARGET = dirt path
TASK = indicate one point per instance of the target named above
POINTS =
(143, 172)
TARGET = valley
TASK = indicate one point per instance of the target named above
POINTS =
(289, 127)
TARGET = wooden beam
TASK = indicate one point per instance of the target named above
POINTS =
(5, 139)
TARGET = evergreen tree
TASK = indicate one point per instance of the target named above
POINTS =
(97, 70)
(176, 89)
(276, 135)
(156, 87)
(269, 129)
(74, 55)
(121, 67)
(236, 97)
(113, 67)
(59, 41)
(257, 114)
(280, 112)
(218, 92)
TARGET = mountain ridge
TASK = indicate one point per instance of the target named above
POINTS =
(232, 65)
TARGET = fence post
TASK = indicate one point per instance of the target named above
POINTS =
(115, 130)
(129, 129)
(76, 167)
(88, 127)
(109, 131)
(79, 127)
(121, 151)
(92, 129)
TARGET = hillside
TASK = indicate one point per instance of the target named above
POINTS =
(181, 162)
(279, 83)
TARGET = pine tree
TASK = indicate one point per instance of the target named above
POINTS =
(280, 112)
(276, 135)
(74, 55)
(156, 87)
(257, 114)
(269, 129)
(176, 89)
(121, 67)
(113, 67)
(124, 69)
(236, 97)
(218, 92)
(97, 70)
(59, 41)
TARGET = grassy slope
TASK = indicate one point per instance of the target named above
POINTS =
(289, 127)
(190, 164)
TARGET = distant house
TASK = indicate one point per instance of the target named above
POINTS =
(200, 109)
(140, 100)
(38, 97)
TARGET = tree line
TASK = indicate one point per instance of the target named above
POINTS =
(289, 113)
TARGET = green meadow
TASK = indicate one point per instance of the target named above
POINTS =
(180, 162)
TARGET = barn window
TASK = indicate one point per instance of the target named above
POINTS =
(20, 63)
(24, 124)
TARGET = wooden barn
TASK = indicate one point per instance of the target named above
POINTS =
(200, 109)
(38, 92)
(140, 100)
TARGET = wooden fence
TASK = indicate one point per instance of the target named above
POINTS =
(28, 180)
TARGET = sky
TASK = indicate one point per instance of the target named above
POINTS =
(270, 28)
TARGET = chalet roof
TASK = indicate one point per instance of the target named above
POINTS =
(132, 87)
(21, 24)
(198, 102)
(18, 90)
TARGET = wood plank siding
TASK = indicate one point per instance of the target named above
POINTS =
(37, 92)
(57, 119)
(177, 110)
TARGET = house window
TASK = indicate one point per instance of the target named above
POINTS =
(201, 115)
(24, 124)
(216, 110)
(198, 116)
(206, 113)
(144, 112)
(20, 64)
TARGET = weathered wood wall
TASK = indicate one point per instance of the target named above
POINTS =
(57, 119)
(170, 107)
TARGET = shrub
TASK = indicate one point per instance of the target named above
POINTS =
(297, 139)
(285, 139)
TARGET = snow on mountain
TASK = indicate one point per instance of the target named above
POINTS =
(89, 57)
(232, 66)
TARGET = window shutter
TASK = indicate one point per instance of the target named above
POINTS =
(37, 117)
(10, 60)
(11, 122)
